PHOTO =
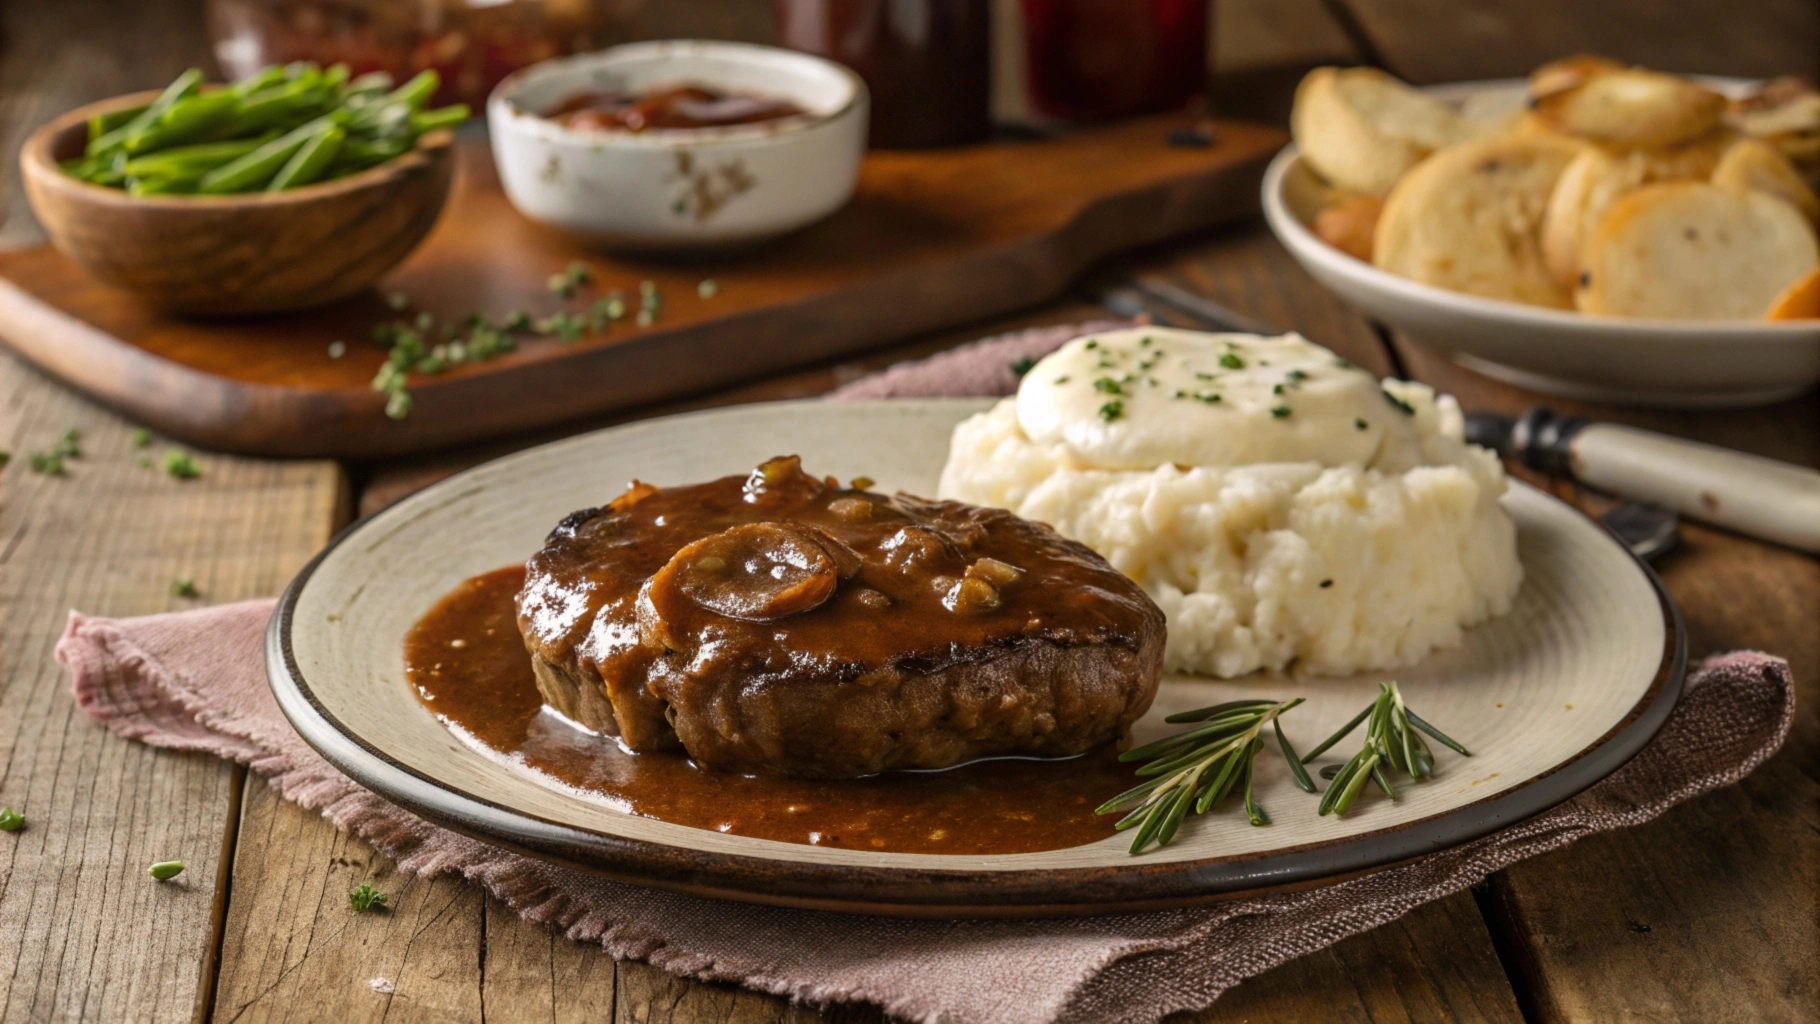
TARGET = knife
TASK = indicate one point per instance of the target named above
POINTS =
(1764, 498)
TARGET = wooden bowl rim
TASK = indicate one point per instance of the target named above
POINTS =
(36, 161)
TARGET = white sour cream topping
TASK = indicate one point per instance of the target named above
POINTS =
(1150, 396)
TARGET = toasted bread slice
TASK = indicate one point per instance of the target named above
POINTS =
(1634, 107)
(1694, 251)
(1468, 219)
(1755, 165)
(1361, 129)
(1568, 73)
(1598, 176)
(1799, 301)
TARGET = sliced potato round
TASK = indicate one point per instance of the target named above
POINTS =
(1694, 251)
(1755, 165)
(1634, 107)
(1799, 301)
(1598, 176)
(1361, 129)
(1468, 219)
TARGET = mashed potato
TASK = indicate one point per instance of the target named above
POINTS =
(1278, 503)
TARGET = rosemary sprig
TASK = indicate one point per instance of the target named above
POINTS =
(1392, 743)
(1198, 768)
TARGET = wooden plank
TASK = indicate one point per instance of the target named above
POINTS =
(293, 950)
(1262, 48)
(1444, 40)
(1416, 969)
(84, 933)
(1706, 913)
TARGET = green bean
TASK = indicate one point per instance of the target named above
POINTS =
(256, 168)
(308, 163)
(101, 124)
(185, 121)
(444, 117)
(197, 159)
(258, 80)
(185, 86)
(416, 92)
(161, 186)
(279, 106)
(373, 82)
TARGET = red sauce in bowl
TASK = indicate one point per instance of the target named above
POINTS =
(679, 106)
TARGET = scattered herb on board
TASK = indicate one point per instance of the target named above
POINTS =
(1198, 768)
(182, 465)
(183, 586)
(364, 898)
(165, 870)
(569, 281)
(11, 820)
(141, 437)
(5, 457)
(1391, 744)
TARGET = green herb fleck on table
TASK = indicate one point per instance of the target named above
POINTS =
(564, 325)
(1022, 366)
(145, 462)
(5, 457)
(185, 587)
(1391, 742)
(165, 870)
(50, 461)
(1198, 768)
(1112, 410)
(708, 288)
(364, 898)
(47, 463)
(569, 281)
(11, 820)
(141, 437)
(182, 465)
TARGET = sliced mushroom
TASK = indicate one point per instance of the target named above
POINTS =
(758, 572)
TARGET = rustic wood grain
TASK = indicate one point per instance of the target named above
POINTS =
(85, 934)
(1446, 40)
(1707, 913)
(293, 950)
(1416, 969)
(930, 239)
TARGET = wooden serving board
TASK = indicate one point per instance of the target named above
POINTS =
(930, 240)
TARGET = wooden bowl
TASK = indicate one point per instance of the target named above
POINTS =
(262, 252)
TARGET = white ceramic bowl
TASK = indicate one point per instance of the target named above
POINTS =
(1662, 363)
(677, 189)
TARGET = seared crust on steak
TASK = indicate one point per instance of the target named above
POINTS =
(779, 624)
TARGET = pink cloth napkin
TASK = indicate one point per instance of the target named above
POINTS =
(196, 681)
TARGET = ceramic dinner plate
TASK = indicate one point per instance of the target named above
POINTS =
(1550, 698)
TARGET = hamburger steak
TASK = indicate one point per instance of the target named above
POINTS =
(779, 624)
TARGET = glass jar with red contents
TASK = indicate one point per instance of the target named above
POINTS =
(1077, 61)
(472, 44)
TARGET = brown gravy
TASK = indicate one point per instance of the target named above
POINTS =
(468, 664)
(681, 106)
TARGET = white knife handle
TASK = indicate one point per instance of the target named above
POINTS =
(1753, 495)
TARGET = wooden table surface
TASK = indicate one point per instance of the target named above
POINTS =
(1710, 913)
